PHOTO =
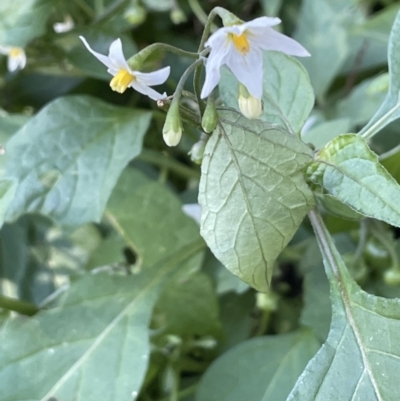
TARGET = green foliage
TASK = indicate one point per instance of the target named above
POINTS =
(116, 285)
(348, 170)
(252, 182)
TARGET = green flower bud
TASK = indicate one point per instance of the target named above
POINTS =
(392, 277)
(135, 15)
(197, 151)
(177, 16)
(267, 302)
(172, 130)
(249, 106)
(210, 117)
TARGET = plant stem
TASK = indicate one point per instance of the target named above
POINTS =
(379, 124)
(86, 8)
(200, 14)
(110, 11)
(16, 305)
(161, 160)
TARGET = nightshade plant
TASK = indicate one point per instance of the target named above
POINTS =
(229, 235)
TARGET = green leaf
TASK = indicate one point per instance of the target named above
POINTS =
(260, 369)
(390, 109)
(66, 160)
(253, 195)
(321, 32)
(149, 217)
(322, 133)
(189, 308)
(94, 345)
(360, 359)
(364, 100)
(23, 20)
(287, 93)
(348, 170)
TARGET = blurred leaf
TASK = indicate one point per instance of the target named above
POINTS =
(321, 32)
(23, 20)
(390, 109)
(149, 217)
(287, 96)
(271, 7)
(322, 133)
(348, 170)
(359, 360)
(259, 369)
(67, 159)
(391, 162)
(252, 194)
(236, 312)
(188, 308)
(334, 206)
(65, 356)
(364, 100)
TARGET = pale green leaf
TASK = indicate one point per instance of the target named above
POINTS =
(253, 195)
(94, 345)
(67, 159)
(23, 20)
(149, 217)
(347, 169)
(321, 32)
(364, 100)
(260, 369)
(361, 357)
(390, 109)
(322, 133)
(188, 307)
(287, 93)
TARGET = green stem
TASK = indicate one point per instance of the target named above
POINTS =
(86, 8)
(112, 10)
(99, 6)
(24, 308)
(379, 124)
(183, 393)
(161, 160)
(200, 14)
(362, 240)
(138, 59)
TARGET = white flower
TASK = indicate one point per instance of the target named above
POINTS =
(125, 77)
(65, 26)
(250, 106)
(239, 47)
(16, 57)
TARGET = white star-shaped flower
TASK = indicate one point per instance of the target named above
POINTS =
(125, 77)
(16, 57)
(239, 47)
(65, 26)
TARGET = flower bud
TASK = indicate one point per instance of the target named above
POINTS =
(177, 16)
(392, 277)
(172, 130)
(250, 106)
(210, 117)
(135, 14)
(197, 151)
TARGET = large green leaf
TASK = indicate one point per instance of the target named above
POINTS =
(348, 170)
(188, 308)
(23, 20)
(287, 93)
(360, 359)
(260, 369)
(321, 32)
(253, 195)
(390, 109)
(66, 160)
(149, 217)
(94, 345)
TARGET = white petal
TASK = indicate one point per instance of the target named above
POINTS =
(218, 38)
(153, 78)
(269, 39)
(248, 69)
(145, 90)
(217, 57)
(193, 210)
(12, 64)
(5, 49)
(104, 59)
(116, 55)
(262, 22)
